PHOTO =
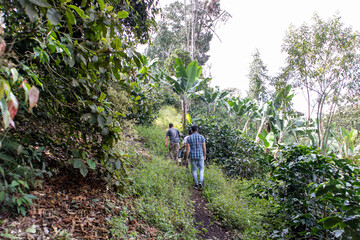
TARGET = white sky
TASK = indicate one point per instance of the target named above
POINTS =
(262, 24)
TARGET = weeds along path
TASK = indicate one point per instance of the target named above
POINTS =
(208, 228)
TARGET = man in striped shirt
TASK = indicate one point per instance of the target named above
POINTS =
(196, 149)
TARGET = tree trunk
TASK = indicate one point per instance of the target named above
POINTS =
(186, 27)
(184, 112)
(193, 28)
(246, 125)
(263, 121)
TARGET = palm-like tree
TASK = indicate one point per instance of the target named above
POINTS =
(213, 96)
(186, 83)
(239, 107)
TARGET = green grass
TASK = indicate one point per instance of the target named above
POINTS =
(169, 114)
(230, 201)
(164, 198)
(161, 188)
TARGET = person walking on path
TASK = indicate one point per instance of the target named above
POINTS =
(174, 144)
(182, 150)
(196, 149)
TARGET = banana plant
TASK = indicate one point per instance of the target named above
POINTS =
(239, 107)
(213, 96)
(251, 114)
(279, 109)
(347, 142)
(186, 83)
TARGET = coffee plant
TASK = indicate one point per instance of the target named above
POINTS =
(315, 193)
(237, 153)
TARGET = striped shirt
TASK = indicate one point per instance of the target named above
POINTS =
(196, 150)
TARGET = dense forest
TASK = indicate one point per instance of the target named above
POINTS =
(84, 115)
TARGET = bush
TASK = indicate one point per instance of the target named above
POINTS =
(237, 153)
(21, 169)
(299, 175)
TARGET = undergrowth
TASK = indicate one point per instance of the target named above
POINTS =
(161, 189)
(164, 198)
(230, 201)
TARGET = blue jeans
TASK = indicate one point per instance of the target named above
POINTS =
(194, 164)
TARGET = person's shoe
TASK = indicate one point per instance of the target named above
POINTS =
(200, 186)
(196, 187)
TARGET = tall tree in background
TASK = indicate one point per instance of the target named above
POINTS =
(323, 59)
(187, 26)
(258, 78)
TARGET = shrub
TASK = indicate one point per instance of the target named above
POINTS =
(21, 169)
(237, 153)
(299, 173)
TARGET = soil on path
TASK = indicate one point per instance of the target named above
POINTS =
(208, 228)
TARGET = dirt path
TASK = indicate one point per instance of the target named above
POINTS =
(207, 226)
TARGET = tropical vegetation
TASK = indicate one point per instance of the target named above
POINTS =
(84, 116)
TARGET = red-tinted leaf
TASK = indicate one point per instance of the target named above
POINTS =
(13, 106)
(12, 123)
(33, 97)
(2, 47)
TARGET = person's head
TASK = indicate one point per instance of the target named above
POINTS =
(194, 128)
(189, 132)
(171, 125)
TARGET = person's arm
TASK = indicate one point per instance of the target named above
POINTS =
(187, 152)
(166, 140)
(204, 150)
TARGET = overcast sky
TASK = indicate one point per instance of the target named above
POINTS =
(262, 24)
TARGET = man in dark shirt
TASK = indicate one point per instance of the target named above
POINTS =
(196, 148)
(174, 144)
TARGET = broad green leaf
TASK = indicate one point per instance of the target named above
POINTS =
(15, 75)
(31, 12)
(105, 131)
(330, 222)
(122, 14)
(79, 11)
(54, 16)
(75, 153)
(70, 16)
(2, 88)
(101, 4)
(83, 169)
(40, 3)
(14, 183)
(77, 162)
(102, 97)
(118, 164)
(101, 120)
(91, 163)
(83, 3)
(109, 8)
(2, 196)
(6, 118)
(263, 138)
(1, 169)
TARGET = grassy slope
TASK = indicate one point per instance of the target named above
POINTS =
(163, 197)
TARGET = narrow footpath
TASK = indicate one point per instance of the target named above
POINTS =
(208, 228)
